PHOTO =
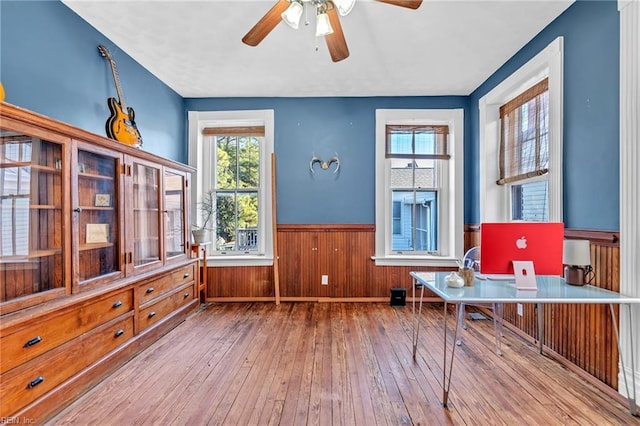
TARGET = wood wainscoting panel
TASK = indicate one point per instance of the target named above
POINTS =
(306, 253)
(471, 236)
(237, 283)
(582, 334)
(343, 253)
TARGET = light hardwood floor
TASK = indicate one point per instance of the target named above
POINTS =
(337, 364)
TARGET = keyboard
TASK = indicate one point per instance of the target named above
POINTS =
(495, 277)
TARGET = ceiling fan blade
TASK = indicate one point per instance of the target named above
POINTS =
(411, 4)
(335, 41)
(264, 26)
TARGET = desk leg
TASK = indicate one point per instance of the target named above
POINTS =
(498, 313)
(539, 308)
(416, 318)
(446, 381)
(631, 396)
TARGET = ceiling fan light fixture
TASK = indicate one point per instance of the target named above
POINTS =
(292, 15)
(344, 6)
(323, 26)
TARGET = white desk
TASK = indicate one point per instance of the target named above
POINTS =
(550, 290)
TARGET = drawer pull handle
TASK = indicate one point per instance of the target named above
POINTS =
(152, 314)
(119, 333)
(150, 290)
(35, 382)
(186, 275)
(117, 304)
(186, 295)
(33, 341)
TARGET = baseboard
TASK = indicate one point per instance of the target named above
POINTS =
(316, 299)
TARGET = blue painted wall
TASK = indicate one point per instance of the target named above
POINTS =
(49, 63)
(54, 69)
(591, 31)
(324, 126)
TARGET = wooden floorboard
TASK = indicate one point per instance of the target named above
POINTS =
(338, 364)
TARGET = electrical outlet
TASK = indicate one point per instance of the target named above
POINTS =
(325, 280)
(520, 309)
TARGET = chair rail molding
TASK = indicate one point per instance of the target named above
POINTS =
(629, 178)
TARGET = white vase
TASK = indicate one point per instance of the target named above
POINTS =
(199, 236)
(454, 280)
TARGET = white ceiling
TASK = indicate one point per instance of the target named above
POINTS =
(446, 47)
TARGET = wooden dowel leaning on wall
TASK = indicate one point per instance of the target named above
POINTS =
(274, 227)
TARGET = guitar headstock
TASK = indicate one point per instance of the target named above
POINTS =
(104, 52)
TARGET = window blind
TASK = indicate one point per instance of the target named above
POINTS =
(524, 135)
(406, 141)
(234, 131)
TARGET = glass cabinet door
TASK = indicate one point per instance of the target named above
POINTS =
(174, 215)
(97, 216)
(32, 241)
(146, 215)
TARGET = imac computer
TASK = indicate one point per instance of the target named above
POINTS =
(537, 242)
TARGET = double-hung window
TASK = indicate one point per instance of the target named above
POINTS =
(232, 153)
(235, 185)
(417, 156)
(418, 186)
(520, 125)
(524, 153)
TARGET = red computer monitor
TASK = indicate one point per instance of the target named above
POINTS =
(540, 242)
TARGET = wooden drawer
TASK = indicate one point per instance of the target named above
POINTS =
(164, 307)
(47, 333)
(26, 383)
(153, 289)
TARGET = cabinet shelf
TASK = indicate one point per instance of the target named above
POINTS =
(35, 254)
(47, 169)
(94, 176)
(44, 207)
(38, 167)
(94, 246)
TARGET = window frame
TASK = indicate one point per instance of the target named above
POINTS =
(203, 179)
(451, 235)
(494, 199)
(510, 186)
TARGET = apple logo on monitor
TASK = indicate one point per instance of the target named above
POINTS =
(521, 242)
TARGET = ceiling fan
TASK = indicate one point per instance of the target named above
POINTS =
(327, 21)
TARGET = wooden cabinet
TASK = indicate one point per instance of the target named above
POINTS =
(34, 196)
(94, 258)
(30, 380)
(30, 339)
(174, 211)
(97, 215)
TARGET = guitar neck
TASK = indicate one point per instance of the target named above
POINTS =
(116, 80)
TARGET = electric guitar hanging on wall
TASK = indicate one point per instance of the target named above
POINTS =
(121, 125)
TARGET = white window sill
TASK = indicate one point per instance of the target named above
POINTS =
(239, 260)
(405, 260)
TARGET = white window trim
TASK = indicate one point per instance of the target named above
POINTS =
(452, 238)
(495, 199)
(198, 120)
